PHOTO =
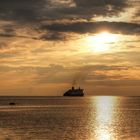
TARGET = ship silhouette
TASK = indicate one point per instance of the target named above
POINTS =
(74, 92)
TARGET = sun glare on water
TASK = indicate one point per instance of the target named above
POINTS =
(101, 42)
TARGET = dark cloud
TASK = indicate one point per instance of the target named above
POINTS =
(60, 31)
(94, 27)
(21, 10)
(55, 36)
(137, 16)
(17, 36)
(87, 9)
(102, 7)
(8, 29)
(93, 3)
(31, 10)
(32, 14)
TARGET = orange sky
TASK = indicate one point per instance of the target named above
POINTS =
(47, 45)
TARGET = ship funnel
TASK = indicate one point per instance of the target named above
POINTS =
(72, 88)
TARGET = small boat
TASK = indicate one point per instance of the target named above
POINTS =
(12, 103)
(74, 92)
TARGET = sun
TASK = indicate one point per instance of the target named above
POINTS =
(105, 37)
(101, 42)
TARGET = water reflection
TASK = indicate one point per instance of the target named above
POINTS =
(88, 118)
(105, 106)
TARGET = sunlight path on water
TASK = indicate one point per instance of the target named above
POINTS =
(104, 106)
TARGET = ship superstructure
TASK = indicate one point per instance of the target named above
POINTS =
(74, 92)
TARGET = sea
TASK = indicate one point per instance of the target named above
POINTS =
(70, 118)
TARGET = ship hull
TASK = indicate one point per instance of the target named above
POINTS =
(74, 95)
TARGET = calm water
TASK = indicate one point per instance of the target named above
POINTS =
(70, 118)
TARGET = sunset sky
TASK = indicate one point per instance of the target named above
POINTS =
(46, 46)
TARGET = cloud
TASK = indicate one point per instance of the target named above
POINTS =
(19, 10)
(61, 31)
(53, 36)
(31, 10)
(17, 36)
(116, 83)
(87, 9)
(94, 27)
(33, 13)
(102, 7)
(60, 74)
(93, 3)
